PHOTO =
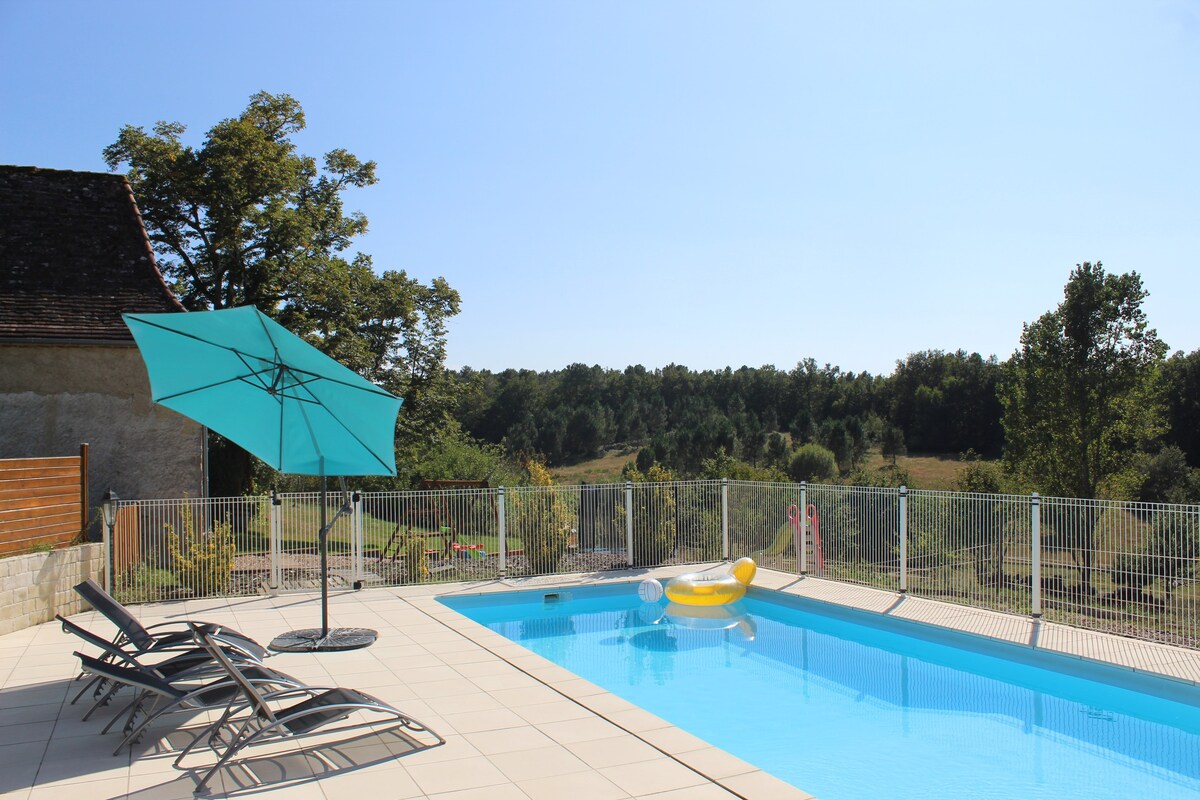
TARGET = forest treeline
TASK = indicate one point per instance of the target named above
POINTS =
(941, 402)
(933, 402)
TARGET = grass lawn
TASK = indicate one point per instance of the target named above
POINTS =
(302, 522)
(605, 469)
(926, 470)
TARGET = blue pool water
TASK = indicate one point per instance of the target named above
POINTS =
(849, 705)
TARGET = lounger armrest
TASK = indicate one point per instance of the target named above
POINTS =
(186, 626)
(98, 642)
(228, 639)
(311, 691)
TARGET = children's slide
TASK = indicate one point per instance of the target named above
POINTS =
(790, 532)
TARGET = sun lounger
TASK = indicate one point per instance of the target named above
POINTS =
(170, 696)
(251, 718)
(164, 635)
(175, 663)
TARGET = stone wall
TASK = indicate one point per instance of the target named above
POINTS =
(55, 397)
(35, 587)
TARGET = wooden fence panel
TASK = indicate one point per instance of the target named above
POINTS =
(43, 501)
(127, 539)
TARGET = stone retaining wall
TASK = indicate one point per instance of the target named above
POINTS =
(35, 587)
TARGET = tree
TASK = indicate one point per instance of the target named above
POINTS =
(1081, 393)
(246, 220)
(891, 443)
(1182, 378)
(946, 402)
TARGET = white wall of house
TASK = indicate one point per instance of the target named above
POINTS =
(53, 397)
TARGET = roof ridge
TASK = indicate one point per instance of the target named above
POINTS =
(35, 169)
(141, 224)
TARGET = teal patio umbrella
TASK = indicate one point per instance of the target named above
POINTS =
(248, 378)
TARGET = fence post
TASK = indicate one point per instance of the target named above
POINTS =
(356, 546)
(802, 531)
(83, 492)
(629, 522)
(725, 519)
(275, 523)
(1035, 523)
(501, 526)
(109, 555)
(903, 539)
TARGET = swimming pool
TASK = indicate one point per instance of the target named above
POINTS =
(850, 705)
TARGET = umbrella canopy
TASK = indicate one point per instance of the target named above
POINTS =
(256, 383)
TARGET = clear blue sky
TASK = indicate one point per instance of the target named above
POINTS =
(704, 183)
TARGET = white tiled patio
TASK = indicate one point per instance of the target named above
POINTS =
(517, 727)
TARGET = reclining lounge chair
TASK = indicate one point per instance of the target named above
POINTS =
(217, 692)
(316, 708)
(165, 635)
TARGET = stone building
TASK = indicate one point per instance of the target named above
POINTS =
(73, 257)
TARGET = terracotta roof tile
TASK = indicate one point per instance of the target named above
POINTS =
(73, 256)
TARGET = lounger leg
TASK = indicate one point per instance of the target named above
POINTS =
(208, 732)
(125, 712)
(153, 713)
(234, 748)
(103, 701)
(95, 680)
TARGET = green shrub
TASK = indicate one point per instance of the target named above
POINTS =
(541, 519)
(983, 477)
(202, 562)
(1169, 556)
(655, 521)
(416, 560)
(812, 462)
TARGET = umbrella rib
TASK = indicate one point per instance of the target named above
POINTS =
(279, 397)
(255, 373)
(315, 376)
(267, 332)
(142, 320)
(369, 388)
(195, 389)
(336, 419)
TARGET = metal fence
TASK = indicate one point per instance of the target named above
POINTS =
(1127, 568)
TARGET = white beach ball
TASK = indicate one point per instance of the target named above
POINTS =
(650, 590)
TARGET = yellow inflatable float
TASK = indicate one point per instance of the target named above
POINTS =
(710, 588)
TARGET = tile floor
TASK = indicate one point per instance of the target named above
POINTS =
(517, 727)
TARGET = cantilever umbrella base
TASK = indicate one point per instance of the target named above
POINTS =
(314, 640)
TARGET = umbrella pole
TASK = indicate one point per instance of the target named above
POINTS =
(324, 544)
(312, 640)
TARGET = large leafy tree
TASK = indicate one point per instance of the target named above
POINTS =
(1081, 396)
(1082, 391)
(246, 219)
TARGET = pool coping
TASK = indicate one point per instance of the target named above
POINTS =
(726, 770)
